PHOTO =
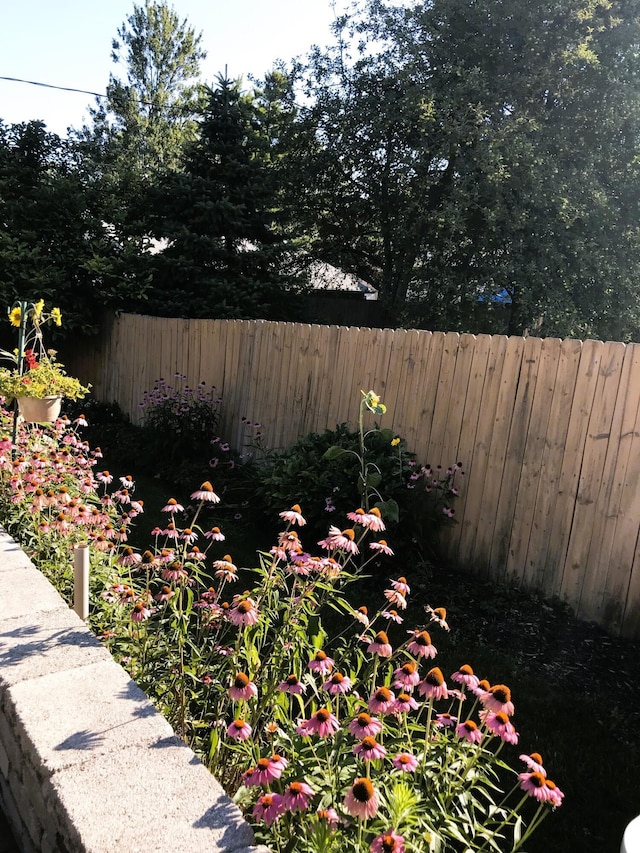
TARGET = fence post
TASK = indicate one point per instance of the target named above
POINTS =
(81, 580)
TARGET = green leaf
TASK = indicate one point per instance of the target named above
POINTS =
(389, 509)
(334, 452)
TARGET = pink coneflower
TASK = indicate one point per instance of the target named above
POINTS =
(433, 685)
(170, 531)
(164, 594)
(497, 698)
(535, 785)
(438, 615)
(128, 557)
(205, 493)
(381, 700)
(322, 723)
(469, 731)
(292, 684)
(361, 615)
(278, 762)
(404, 703)
(482, 687)
(297, 796)
(362, 800)
(388, 842)
(556, 796)
(123, 496)
(381, 547)
(225, 569)
(104, 477)
(243, 688)
(172, 506)
(401, 586)
(321, 663)
(140, 612)
(445, 720)
(369, 749)
(244, 613)
(337, 684)
(215, 534)
(174, 571)
(395, 597)
(534, 762)
(343, 540)
(465, 676)
(380, 645)
(392, 616)
(406, 676)
(288, 541)
(262, 774)
(328, 816)
(405, 761)
(268, 808)
(371, 520)
(420, 644)
(239, 730)
(498, 722)
(127, 481)
(188, 535)
(364, 725)
(293, 515)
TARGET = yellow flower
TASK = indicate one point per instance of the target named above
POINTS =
(395, 442)
(37, 309)
(56, 316)
(15, 315)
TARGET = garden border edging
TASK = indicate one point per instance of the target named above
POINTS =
(87, 764)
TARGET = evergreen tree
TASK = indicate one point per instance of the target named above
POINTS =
(224, 256)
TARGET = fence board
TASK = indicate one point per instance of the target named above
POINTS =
(548, 432)
(527, 493)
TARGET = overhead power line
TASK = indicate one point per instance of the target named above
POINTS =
(51, 86)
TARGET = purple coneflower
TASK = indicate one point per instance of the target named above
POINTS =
(268, 808)
(172, 506)
(239, 730)
(289, 541)
(369, 749)
(244, 613)
(439, 615)
(406, 676)
(420, 644)
(328, 816)
(322, 723)
(293, 515)
(498, 722)
(104, 477)
(534, 762)
(292, 684)
(497, 698)
(140, 612)
(362, 800)
(297, 796)
(215, 534)
(535, 784)
(469, 731)
(165, 594)
(433, 685)
(243, 688)
(262, 774)
(405, 761)
(371, 520)
(445, 720)
(392, 616)
(388, 842)
(465, 676)
(404, 703)
(188, 535)
(381, 547)
(380, 645)
(225, 569)
(361, 615)
(337, 684)
(205, 493)
(174, 571)
(343, 540)
(364, 725)
(381, 701)
(556, 796)
(321, 663)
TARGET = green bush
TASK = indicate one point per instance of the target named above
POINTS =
(325, 470)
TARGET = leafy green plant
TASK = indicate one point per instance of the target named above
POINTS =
(333, 471)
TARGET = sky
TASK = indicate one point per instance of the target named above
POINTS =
(68, 43)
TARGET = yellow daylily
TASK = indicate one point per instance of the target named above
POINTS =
(37, 309)
(56, 316)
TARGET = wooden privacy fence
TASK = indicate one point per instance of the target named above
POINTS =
(548, 431)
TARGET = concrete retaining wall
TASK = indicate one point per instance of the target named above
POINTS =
(86, 762)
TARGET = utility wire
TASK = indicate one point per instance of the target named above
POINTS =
(51, 86)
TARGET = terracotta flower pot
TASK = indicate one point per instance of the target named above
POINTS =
(41, 410)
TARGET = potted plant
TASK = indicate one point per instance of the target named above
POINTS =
(37, 381)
